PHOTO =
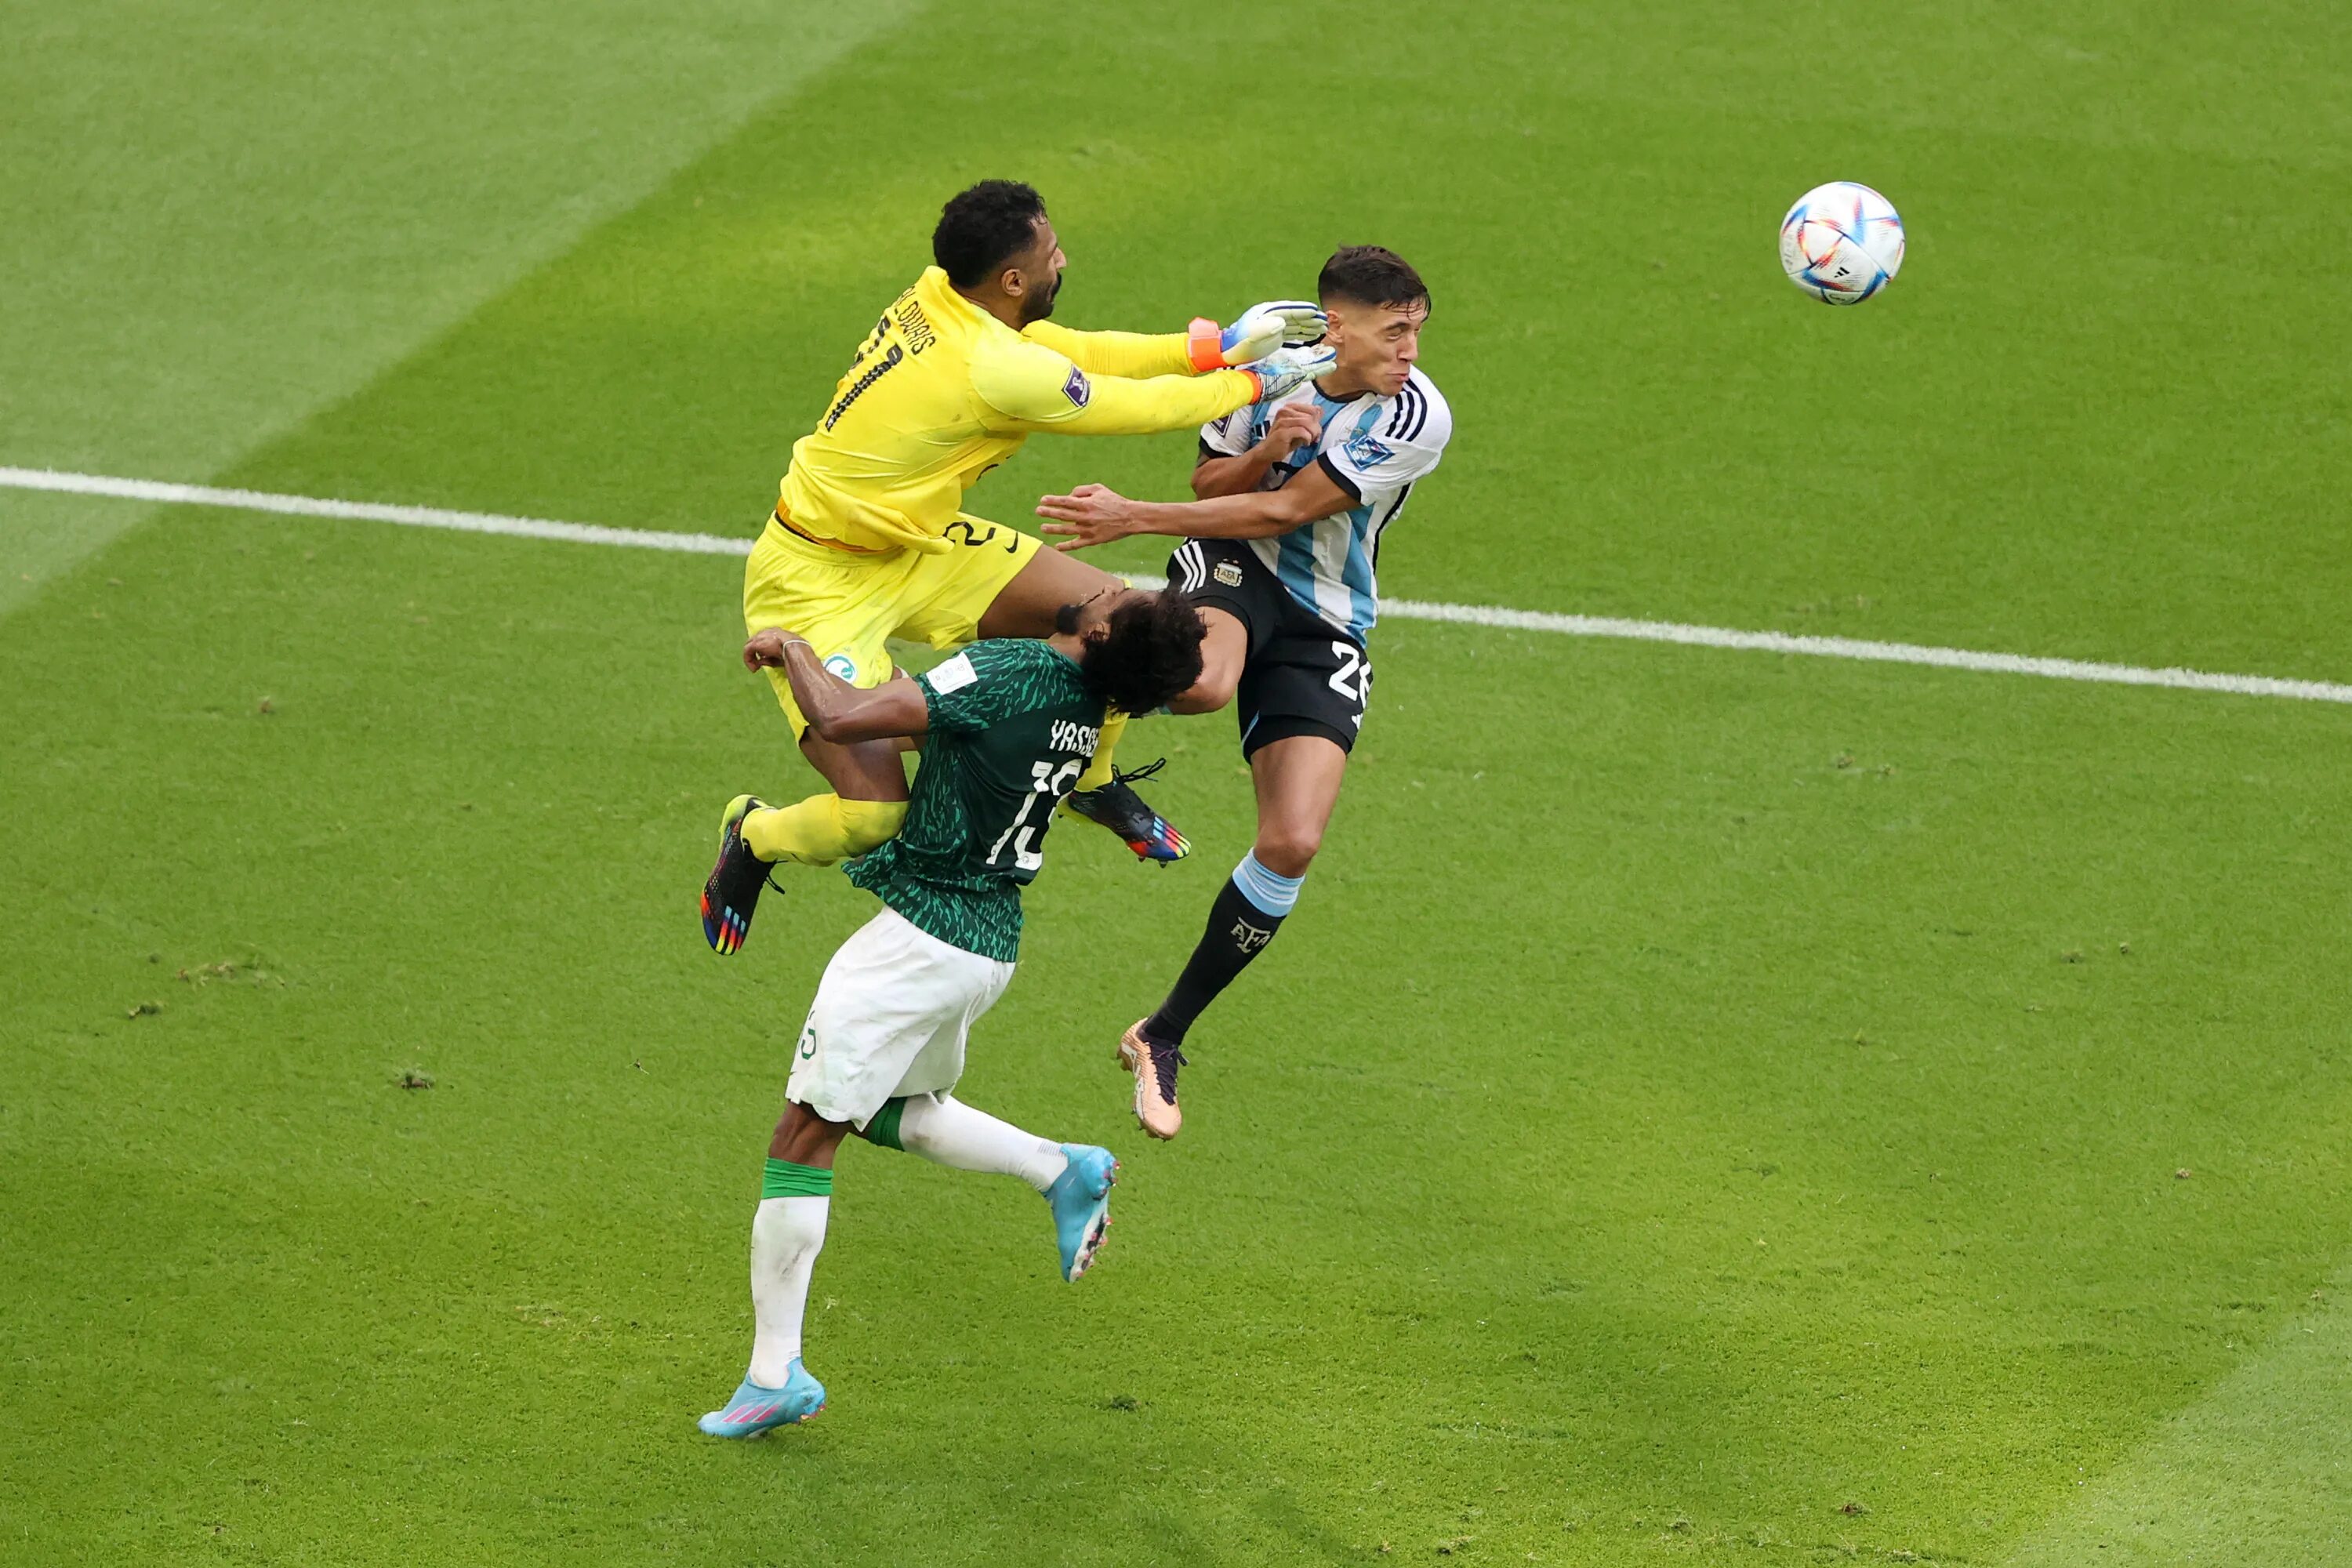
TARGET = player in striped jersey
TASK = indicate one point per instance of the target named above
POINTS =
(1281, 551)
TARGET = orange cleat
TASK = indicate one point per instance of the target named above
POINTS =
(1154, 1067)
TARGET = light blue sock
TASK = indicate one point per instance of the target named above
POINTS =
(1273, 893)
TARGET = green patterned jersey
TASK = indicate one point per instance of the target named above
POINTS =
(1012, 728)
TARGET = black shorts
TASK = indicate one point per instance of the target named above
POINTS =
(1303, 676)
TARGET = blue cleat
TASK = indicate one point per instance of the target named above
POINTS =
(754, 1410)
(1080, 1197)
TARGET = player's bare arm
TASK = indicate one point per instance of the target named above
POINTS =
(1231, 506)
(836, 711)
(1028, 603)
(1097, 515)
(1295, 426)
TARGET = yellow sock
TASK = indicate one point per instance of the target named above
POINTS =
(822, 829)
(1098, 772)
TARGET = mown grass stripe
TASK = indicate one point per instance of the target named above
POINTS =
(1399, 609)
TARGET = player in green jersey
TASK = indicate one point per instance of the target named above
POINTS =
(1007, 726)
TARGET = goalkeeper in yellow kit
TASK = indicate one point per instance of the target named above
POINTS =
(868, 541)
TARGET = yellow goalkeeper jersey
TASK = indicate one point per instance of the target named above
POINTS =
(940, 392)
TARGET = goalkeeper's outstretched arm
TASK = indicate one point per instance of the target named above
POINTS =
(1201, 347)
(1136, 355)
(1028, 388)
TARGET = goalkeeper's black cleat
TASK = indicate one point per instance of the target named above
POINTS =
(1117, 806)
(733, 890)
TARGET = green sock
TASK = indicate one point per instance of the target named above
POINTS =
(883, 1131)
(785, 1179)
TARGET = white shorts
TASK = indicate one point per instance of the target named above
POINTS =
(890, 1019)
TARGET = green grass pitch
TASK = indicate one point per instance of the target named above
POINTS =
(1709, 1107)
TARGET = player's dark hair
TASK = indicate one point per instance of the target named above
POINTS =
(1149, 652)
(1369, 275)
(983, 228)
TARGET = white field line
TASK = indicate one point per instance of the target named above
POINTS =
(1399, 609)
(367, 512)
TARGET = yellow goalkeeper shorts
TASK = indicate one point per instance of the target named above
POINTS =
(850, 604)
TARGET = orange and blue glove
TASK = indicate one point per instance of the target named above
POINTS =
(1286, 370)
(1255, 333)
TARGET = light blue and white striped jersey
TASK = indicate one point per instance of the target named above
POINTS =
(1374, 449)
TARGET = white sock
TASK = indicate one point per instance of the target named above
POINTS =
(786, 1235)
(945, 1130)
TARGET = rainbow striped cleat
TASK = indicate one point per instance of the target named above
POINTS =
(1117, 806)
(732, 891)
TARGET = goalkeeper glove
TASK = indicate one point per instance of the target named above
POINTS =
(1287, 369)
(1255, 333)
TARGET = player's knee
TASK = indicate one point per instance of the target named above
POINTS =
(803, 1137)
(1288, 849)
(916, 1121)
(869, 824)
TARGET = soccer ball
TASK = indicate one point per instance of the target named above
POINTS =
(1842, 243)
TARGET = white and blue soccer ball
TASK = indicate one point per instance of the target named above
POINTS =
(1842, 243)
